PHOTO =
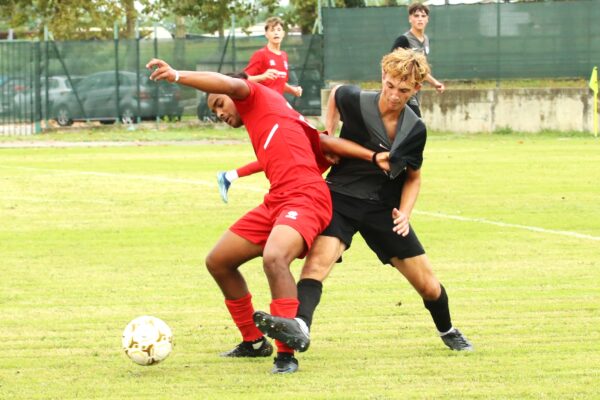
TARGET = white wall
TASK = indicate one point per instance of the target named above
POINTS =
(487, 110)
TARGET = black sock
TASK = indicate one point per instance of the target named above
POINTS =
(309, 296)
(440, 312)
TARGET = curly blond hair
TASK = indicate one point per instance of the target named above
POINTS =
(406, 65)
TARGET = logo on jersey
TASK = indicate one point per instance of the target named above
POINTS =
(292, 215)
(272, 62)
(285, 64)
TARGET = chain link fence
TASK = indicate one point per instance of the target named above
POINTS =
(50, 83)
(496, 41)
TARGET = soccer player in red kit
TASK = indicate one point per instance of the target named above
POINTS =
(294, 211)
(269, 67)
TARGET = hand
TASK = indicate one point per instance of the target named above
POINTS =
(383, 160)
(271, 73)
(297, 91)
(162, 71)
(439, 86)
(333, 159)
(402, 226)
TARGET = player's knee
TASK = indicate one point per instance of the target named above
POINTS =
(274, 262)
(430, 289)
(315, 270)
(213, 264)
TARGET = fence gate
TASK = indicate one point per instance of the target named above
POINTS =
(20, 87)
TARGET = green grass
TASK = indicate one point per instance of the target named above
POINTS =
(92, 237)
(146, 132)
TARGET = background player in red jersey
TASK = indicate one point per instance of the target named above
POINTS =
(294, 211)
(268, 66)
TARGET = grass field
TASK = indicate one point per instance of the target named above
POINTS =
(92, 237)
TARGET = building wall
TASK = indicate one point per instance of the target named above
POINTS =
(487, 110)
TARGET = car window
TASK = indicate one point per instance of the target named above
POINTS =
(88, 82)
(125, 80)
(106, 80)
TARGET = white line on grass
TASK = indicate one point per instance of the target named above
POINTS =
(46, 200)
(259, 190)
(151, 178)
(506, 225)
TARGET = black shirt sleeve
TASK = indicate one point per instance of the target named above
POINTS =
(401, 42)
(347, 100)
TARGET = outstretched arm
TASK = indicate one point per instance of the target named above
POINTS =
(349, 149)
(346, 148)
(210, 82)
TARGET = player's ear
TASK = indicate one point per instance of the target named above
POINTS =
(418, 87)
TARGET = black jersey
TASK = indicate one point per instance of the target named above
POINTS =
(363, 125)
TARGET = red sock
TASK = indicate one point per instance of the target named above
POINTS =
(241, 311)
(286, 308)
(249, 169)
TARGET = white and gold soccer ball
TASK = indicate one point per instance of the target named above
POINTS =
(147, 340)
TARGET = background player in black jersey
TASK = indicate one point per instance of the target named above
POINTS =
(416, 39)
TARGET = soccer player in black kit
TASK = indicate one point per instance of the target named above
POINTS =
(378, 205)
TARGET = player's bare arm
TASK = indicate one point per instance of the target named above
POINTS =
(269, 74)
(349, 149)
(210, 82)
(293, 90)
(439, 86)
(410, 192)
(332, 117)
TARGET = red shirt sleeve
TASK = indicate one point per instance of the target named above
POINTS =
(256, 65)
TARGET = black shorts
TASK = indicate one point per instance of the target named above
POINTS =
(373, 220)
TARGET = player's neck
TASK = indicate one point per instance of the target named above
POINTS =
(418, 33)
(387, 112)
(274, 47)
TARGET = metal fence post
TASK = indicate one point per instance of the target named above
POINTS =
(37, 110)
(156, 86)
(116, 39)
(137, 69)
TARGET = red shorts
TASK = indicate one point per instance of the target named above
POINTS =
(307, 209)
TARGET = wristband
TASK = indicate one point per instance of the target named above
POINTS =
(374, 158)
(176, 76)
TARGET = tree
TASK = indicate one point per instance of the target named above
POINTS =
(304, 14)
(71, 19)
(354, 3)
(212, 16)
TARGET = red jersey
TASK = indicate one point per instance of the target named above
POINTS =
(265, 59)
(285, 144)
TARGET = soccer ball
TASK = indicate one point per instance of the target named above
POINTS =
(147, 340)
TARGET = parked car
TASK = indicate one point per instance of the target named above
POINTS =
(202, 111)
(95, 98)
(23, 102)
(9, 88)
